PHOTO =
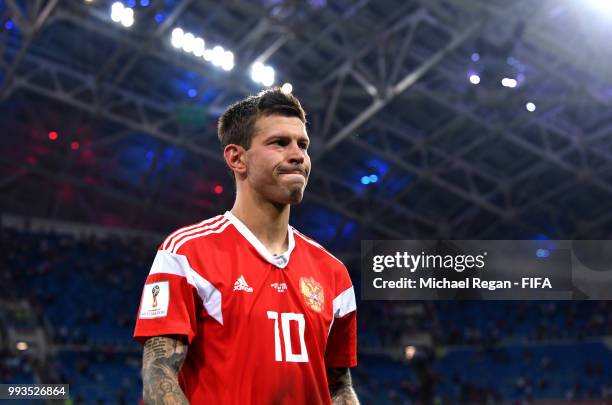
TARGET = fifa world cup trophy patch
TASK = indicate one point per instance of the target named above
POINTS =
(155, 299)
(313, 293)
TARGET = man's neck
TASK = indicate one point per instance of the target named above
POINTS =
(267, 222)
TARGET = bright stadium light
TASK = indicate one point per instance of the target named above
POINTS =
(603, 5)
(263, 74)
(217, 55)
(198, 47)
(268, 76)
(531, 107)
(127, 19)
(117, 11)
(117, 7)
(122, 14)
(227, 61)
(256, 71)
(188, 42)
(208, 55)
(177, 38)
(287, 88)
(507, 82)
(474, 79)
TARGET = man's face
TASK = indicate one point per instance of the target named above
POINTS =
(277, 163)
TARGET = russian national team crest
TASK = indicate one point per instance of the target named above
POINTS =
(313, 293)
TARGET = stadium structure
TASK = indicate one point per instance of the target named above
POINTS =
(429, 119)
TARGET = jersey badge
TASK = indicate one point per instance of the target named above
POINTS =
(313, 293)
(155, 299)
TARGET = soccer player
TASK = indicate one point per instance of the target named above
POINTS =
(243, 308)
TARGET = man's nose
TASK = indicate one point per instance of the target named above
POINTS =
(296, 154)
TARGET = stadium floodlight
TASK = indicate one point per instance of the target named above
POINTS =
(603, 5)
(218, 54)
(188, 42)
(127, 19)
(287, 88)
(117, 7)
(195, 45)
(117, 11)
(531, 107)
(263, 74)
(474, 79)
(208, 54)
(122, 14)
(227, 61)
(198, 47)
(507, 82)
(177, 38)
(257, 71)
(268, 76)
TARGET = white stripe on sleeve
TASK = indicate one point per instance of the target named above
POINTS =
(172, 263)
(344, 303)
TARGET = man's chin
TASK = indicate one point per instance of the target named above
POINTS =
(296, 196)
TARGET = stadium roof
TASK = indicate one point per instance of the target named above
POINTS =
(413, 135)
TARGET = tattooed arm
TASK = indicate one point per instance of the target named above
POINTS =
(162, 359)
(341, 387)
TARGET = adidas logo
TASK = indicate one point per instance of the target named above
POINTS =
(241, 285)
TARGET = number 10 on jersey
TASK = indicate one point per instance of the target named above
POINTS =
(286, 318)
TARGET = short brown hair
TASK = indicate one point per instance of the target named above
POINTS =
(237, 123)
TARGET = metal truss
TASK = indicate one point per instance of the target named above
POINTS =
(360, 88)
(149, 119)
(548, 155)
(58, 82)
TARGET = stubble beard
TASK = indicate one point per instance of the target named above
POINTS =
(295, 195)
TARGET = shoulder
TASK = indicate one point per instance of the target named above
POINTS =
(198, 233)
(316, 249)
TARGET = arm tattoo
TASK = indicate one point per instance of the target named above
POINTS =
(162, 359)
(341, 387)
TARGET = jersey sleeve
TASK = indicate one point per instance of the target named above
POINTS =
(169, 299)
(341, 350)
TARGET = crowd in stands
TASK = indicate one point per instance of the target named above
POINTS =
(86, 291)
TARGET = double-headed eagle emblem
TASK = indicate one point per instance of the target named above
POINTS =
(313, 293)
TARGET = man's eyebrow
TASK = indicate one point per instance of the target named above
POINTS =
(286, 135)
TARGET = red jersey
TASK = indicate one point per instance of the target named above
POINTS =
(261, 328)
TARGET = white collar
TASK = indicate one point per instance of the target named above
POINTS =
(281, 260)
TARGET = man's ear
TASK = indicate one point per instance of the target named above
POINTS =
(235, 158)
